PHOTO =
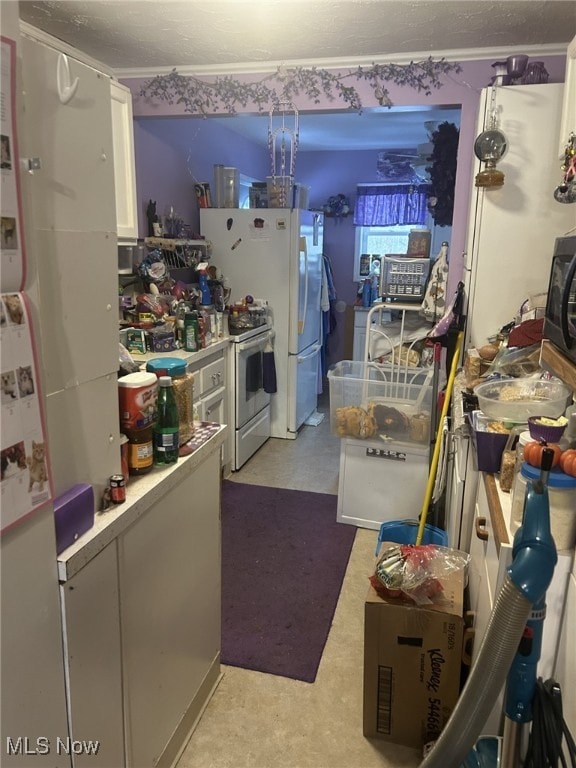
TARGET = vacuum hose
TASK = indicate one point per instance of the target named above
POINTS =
(500, 644)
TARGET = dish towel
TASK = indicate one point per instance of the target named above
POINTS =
(269, 371)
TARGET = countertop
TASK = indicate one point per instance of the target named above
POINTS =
(142, 491)
(182, 353)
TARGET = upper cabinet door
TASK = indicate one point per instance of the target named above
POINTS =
(124, 165)
(69, 128)
(568, 122)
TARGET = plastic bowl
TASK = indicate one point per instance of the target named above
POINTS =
(548, 432)
(517, 399)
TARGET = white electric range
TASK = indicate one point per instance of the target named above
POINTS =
(249, 403)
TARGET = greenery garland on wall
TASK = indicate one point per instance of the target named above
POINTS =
(203, 97)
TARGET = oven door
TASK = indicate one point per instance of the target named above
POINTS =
(250, 396)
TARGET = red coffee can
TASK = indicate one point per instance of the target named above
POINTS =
(117, 489)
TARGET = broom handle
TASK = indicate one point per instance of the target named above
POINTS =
(436, 455)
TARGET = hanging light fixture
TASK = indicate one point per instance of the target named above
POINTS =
(282, 144)
(490, 147)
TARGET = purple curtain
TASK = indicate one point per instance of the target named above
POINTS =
(384, 206)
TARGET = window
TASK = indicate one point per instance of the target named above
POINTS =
(384, 214)
(376, 241)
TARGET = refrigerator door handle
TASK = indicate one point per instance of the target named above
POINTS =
(313, 351)
(302, 320)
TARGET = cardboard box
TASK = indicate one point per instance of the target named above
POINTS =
(412, 665)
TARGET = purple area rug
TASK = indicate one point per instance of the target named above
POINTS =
(283, 561)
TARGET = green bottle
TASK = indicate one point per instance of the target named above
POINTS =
(191, 332)
(166, 429)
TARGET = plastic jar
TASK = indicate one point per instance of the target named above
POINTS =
(523, 439)
(140, 450)
(183, 384)
(562, 500)
(137, 394)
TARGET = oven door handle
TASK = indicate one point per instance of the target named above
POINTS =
(246, 346)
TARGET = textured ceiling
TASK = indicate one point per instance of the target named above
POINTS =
(147, 37)
(151, 34)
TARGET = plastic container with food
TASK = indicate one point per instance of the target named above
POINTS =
(515, 400)
(546, 428)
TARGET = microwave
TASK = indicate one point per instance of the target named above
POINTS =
(560, 313)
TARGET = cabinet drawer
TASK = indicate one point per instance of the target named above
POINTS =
(212, 376)
(211, 408)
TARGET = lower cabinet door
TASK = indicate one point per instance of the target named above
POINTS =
(91, 626)
(169, 574)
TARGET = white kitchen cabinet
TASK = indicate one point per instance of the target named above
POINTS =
(170, 607)
(209, 367)
(212, 407)
(74, 187)
(211, 398)
(90, 603)
(485, 547)
(491, 555)
(78, 305)
(565, 670)
(72, 259)
(84, 434)
(124, 163)
(141, 613)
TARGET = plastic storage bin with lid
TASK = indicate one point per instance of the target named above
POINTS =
(562, 499)
(183, 383)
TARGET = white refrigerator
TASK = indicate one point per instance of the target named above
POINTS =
(275, 254)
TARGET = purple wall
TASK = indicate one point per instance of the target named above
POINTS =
(172, 153)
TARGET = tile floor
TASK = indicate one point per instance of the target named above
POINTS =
(256, 720)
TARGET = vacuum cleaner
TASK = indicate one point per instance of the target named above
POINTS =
(510, 649)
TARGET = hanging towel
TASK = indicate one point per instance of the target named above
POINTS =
(269, 371)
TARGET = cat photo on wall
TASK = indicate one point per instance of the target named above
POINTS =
(8, 236)
(25, 380)
(8, 388)
(14, 308)
(12, 460)
(37, 466)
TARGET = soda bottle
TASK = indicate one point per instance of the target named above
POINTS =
(191, 332)
(166, 429)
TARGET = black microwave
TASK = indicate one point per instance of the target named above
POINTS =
(560, 315)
